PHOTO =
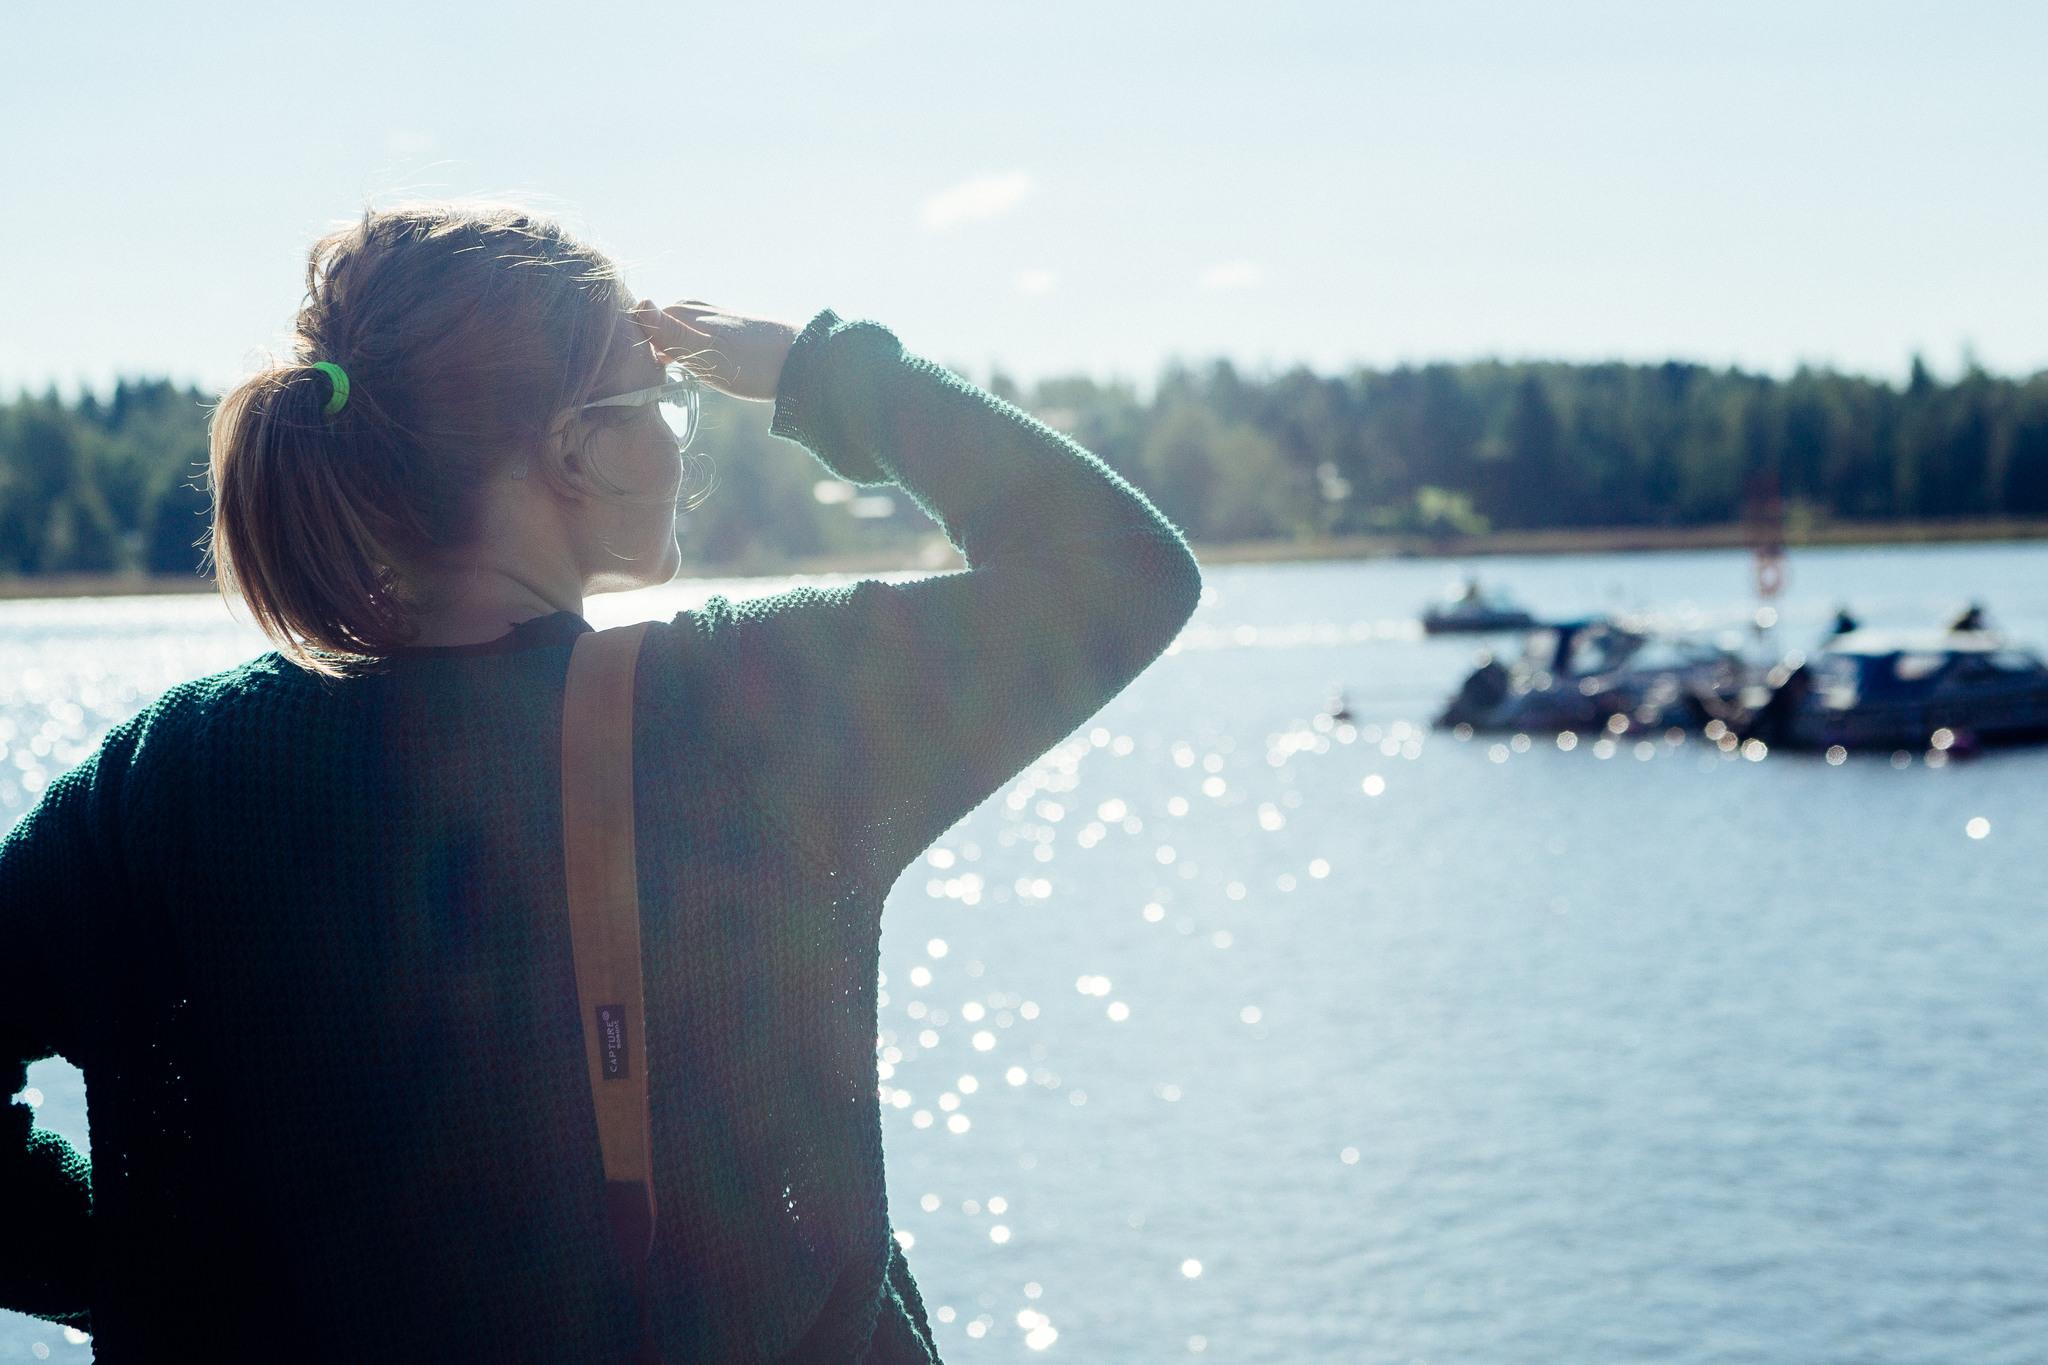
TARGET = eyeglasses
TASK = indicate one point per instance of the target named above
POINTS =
(678, 399)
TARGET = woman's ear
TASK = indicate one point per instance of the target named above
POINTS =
(560, 456)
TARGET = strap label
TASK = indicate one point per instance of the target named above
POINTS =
(611, 1040)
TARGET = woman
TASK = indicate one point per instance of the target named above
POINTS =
(302, 925)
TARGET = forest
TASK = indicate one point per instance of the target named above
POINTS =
(115, 483)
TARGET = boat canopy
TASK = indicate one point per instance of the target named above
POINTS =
(1875, 642)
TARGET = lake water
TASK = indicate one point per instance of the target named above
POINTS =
(1218, 1036)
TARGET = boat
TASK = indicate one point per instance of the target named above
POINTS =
(1892, 690)
(1475, 610)
(1599, 674)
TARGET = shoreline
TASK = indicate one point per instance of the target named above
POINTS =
(1630, 540)
(936, 556)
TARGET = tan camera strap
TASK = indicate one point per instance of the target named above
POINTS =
(604, 922)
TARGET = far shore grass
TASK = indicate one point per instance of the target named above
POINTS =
(938, 556)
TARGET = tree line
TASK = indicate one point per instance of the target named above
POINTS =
(117, 483)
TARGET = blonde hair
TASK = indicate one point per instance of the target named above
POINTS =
(465, 331)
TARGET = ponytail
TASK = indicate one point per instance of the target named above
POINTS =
(296, 516)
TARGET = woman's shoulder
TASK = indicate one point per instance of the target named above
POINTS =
(713, 630)
(821, 607)
(267, 675)
(748, 654)
(160, 736)
(227, 696)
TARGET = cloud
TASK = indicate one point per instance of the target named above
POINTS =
(1035, 281)
(1232, 275)
(985, 196)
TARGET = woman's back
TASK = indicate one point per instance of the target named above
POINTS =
(343, 899)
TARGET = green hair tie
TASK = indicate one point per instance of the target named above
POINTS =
(340, 377)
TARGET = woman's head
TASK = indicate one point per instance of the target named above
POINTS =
(471, 336)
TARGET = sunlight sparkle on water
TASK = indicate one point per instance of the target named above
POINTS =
(1239, 828)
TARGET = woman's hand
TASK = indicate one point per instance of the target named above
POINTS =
(729, 351)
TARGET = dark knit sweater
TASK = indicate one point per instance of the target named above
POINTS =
(308, 940)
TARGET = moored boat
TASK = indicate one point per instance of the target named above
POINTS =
(1598, 674)
(1892, 690)
(1475, 610)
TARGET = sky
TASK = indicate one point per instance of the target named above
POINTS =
(1100, 188)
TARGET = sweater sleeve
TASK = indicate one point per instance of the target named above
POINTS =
(883, 713)
(54, 865)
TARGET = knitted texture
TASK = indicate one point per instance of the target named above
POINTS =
(308, 939)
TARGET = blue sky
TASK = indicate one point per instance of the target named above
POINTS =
(1067, 187)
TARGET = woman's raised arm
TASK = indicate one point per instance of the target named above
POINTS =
(886, 712)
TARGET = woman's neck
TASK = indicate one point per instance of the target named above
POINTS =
(521, 567)
(484, 603)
